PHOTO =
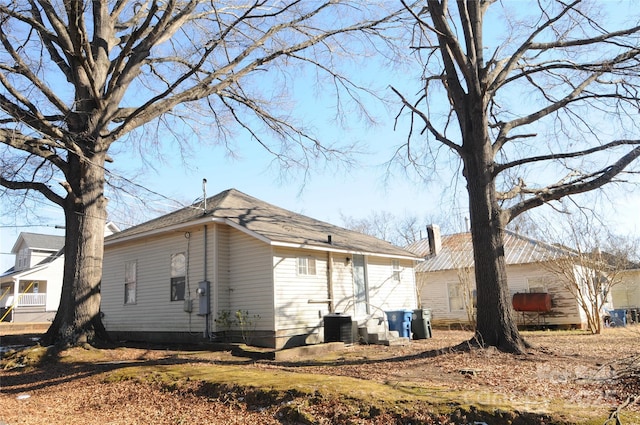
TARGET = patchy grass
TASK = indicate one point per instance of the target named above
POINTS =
(559, 382)
(278, 386)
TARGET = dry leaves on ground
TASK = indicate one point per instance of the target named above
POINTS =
(571, 366)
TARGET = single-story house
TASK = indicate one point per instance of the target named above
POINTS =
(446, 281)
(30, 290)
(233, 266)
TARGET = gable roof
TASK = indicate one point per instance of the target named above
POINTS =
(12, 272)
(39, 241)
(267, 222)
(457, 251)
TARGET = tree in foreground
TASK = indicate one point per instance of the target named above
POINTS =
(538, 102)
(78, 77)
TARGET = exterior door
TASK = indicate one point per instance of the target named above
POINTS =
(360, 287)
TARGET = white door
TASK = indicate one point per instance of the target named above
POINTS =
(361, 293)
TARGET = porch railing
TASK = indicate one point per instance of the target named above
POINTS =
(32, 299)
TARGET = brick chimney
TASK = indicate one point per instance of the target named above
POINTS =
(435, 241)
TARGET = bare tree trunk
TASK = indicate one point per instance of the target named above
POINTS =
(78, 318)
(495, 322)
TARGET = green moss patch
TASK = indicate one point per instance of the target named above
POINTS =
(297, 393)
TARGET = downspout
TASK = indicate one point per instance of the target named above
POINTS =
(207, 316)
(216, 273)
(330, 281)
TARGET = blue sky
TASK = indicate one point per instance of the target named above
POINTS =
(328, 193)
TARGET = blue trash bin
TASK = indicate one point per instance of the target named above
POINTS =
(618, 317)
(400, 321)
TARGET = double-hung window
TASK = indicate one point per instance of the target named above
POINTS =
(178, 276)
(130, 278)
(456, 297)
(306, 266)
(395, 268)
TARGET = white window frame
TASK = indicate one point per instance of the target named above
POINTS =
(23, 257)
(395, 270)
(455, 296)
(178, 278)
(130, 282)
(306, 266)
(537, 284)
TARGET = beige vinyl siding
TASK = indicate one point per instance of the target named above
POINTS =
(243, 263)
(220, 265)
(251, 278)
(386, 293)
(294, 313)
(153, 310)
(342, 278)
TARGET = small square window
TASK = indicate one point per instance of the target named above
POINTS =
(306, 266)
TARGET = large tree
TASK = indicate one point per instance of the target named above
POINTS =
(78, 76)
(538, 101)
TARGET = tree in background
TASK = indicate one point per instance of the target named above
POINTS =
(595, 265)
(537, 102)
(80, 77)
(400, 230)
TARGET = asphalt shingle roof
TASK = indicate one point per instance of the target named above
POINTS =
(268, 221)
(39, 241)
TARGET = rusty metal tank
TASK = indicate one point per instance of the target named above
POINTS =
(539, 302)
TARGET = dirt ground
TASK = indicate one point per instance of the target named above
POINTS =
(566, 377)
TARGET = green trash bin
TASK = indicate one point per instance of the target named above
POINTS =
(421, 323)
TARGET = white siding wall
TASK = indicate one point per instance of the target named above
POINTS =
(434, 295)
(37, 256)
(51, 274)
(627, 292)
(294, 313)
(55, 272)
(385, 293)
(343, 289)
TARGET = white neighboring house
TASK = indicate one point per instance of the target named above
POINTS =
(446, 282)
(30, 290)
(183, 276)
(626, 293)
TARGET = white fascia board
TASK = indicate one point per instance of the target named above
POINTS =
(24, 273)
(255, 235)
(344, 251)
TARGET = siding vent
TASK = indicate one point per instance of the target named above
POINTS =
(329, 239)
